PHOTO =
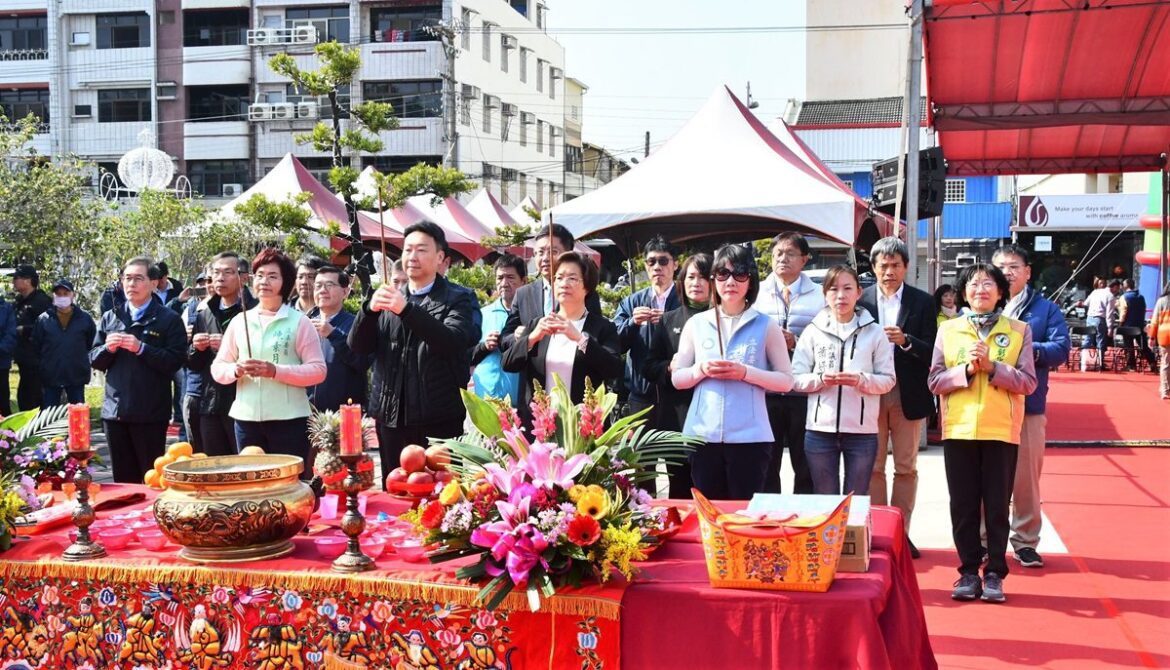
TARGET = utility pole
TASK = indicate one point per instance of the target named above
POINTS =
(446, 32)
(646, 152)
(913, 113)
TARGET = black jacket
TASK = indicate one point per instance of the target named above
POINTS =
(345, 378)
(673, 404)
(601, 360)
(138, 386)
(917, 318)
(528, 306)
(421, 356)
(215, 398)
(28, 308)
(636, 339)
(64, 352)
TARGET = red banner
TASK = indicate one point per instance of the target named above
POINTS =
(68, 616)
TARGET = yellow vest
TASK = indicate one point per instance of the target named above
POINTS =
(982, 411)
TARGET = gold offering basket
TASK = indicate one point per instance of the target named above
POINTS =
(234, 508)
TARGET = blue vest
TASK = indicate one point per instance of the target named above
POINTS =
(727, 411)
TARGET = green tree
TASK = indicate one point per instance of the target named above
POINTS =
(339, 67)
(46, 209)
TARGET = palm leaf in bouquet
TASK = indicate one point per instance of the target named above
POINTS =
(556, 510)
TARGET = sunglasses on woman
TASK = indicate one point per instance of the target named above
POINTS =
(740, 275)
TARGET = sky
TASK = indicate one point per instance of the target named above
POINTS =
(657, 79)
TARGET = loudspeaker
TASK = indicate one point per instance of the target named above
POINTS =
(932, 175)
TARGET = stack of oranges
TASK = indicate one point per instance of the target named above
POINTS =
(176, 453)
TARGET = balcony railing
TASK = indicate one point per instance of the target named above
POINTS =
(24, 54)
(396, 35)
(42, 128)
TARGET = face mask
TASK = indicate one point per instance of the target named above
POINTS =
(62, 301)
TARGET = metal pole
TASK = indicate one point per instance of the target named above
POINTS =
(913, 113)
(1162, 265)
(646, 152)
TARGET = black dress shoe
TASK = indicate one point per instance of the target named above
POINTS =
(914, 553)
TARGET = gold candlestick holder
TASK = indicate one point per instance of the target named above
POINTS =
(84, 548)
(353, 523)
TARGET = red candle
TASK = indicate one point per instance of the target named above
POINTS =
(351, 430)
(79, 427)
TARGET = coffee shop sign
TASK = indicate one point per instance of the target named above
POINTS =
(1100, 210)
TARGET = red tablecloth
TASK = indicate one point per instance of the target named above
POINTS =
(672, 618)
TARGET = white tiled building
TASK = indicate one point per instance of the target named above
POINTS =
(195, 73)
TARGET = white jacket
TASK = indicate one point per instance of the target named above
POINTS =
(865, 349)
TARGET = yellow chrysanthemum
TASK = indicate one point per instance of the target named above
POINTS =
(594, 504)
(622, 546)
(575, 492)
(451, 493)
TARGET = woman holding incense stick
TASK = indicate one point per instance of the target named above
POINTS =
(272, 353)
(572, 342)
(731, 355)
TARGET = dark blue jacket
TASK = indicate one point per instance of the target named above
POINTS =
(7, 335)
(64, 352)
(345, 377)
(1050, 346)
(138, 385)
(1135, 310)
(636, 339)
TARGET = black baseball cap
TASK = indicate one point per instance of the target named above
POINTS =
(26, 272)
(65, 284)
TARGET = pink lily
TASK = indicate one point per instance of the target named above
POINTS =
(547, 466)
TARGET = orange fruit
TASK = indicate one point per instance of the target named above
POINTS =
(162, 461)
(180, 449)
(180, 459)
(151, 479)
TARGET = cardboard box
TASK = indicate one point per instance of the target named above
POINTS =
(855, 551)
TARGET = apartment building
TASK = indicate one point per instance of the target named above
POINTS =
(195, 74)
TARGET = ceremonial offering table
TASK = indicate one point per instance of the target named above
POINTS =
(672, 618)
(151, 609)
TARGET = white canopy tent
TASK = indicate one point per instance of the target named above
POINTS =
(724, 175)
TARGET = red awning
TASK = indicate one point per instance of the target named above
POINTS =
(1049, 86)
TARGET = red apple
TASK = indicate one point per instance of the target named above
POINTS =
(438, 457)
(413, 458)
(420, 478)
(444, 476)
(396, 476)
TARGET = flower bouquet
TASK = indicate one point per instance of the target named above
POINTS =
(558, 510)
(32, 444)
(325, 436)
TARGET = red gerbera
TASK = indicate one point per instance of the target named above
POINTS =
(584, 530)
(432, 515)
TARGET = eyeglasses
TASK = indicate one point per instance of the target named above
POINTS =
(658, 260)
(133, 279)
(741, 276)
(568, 281)
(985, 285)
(327, 286)
(224, 273)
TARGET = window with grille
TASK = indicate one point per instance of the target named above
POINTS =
(405, 24)
(24, 33)
(523, 65)
(411, 99)
(956, 191)
(487, 42)
(123, 31)
(123, 105)
(19, 103)
(487, 114)
(332, 23)
(465, 33)
(218, 103)
(540, 135)
(209, 177)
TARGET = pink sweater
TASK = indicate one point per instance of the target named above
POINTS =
(309, 372)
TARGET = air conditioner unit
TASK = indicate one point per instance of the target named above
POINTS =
(232, 190)
(527, 118)
(469, 91)
(308, 110)
(261, 36)
(492, 101)
(509, 42)
(304, 35)
(259, 112)
(284, 111)
(556, 72)
(509, 109)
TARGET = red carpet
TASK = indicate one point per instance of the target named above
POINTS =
(1105, 605)
(1103, 407)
